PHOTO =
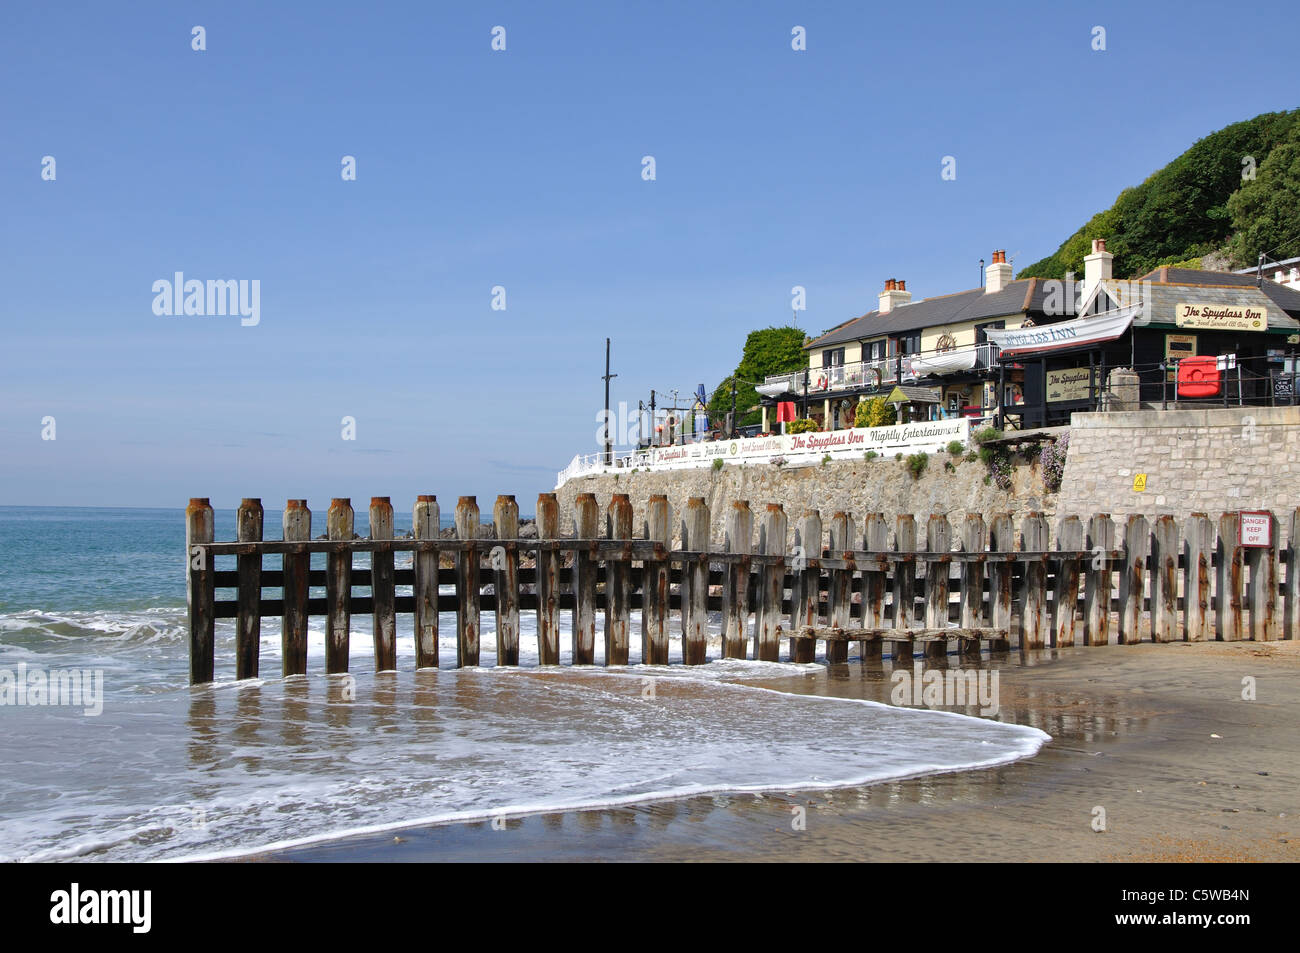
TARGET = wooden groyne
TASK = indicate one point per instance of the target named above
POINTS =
(972, 583)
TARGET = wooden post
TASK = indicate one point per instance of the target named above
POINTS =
(1262, 561)
(587, 525)
(904, 582)
(505, 578)
(425, 519)
(200, 589)
(1137, 545)
(1164, 579)
(805, 593)
(655, 595)
(248, 625)
(1227, 586)
(840, 588)
(618, 588)
(548, 581)
(1198, 557)
(875, 539)
(1002, 535)
(382, 592)
(466, 519)
(695, 583)
(338, 587)
(1291, 588)
(296, 524)
(1098, 579)
(771, 542)
(973, 540)
(1065, 598)
(735, 594)
(1034, 621)
(938, 539)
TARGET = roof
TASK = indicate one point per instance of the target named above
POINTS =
(1288, 299)
(974, 305)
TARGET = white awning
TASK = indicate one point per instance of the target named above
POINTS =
(1065, 334)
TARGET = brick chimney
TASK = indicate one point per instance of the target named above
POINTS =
(998, 274)
(895, 294)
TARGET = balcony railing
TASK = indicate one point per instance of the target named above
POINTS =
(866, 375)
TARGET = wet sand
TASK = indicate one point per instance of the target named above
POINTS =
(1158, 736)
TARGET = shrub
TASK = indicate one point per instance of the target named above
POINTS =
(826, 459)
(956, 448)
(899, 455)
(986, 434)
(916, 463)
(948, 466)
(803, 425)
(717, 464)
(870, 455)
(874, 413)
(779, 461)
(972, 457)
(1052, 458)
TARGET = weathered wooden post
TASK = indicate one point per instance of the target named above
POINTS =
(505, 578)
(771, 542)
(1227, 587)
(839, 592)
(587, 526)
(200, 588)
(1198, 555)
(1137, 546)
(382, 591)
(1164, 579)
(655, 601)
(1065, 598)
(1291, 588)
(338, 586)
(695, 582)
(875, 583)
(805, 593)
(466, 519)
(1262, 562)
(618, 587)
(1034, 621)
(296, 525)
(973, 540)
(938, 539)
(425, 519)
(1098, 580)
(1002, 535)
(548, 580)
(904, 582)
(739, 533)
(248, 624)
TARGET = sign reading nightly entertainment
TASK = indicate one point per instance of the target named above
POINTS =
(1069, 384)
(1220, 317)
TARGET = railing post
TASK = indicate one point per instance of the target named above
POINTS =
(1164, 579)
(1098, 580)
(1262, 561)
(1227, 588)
(735, 594)
(904, 583)
(1137, 545)
(1034, 623)
(587, 525)
(548, 581)
(875, 582)
(505, 578)
(248, 625)
(382, 592)
(938, 539)
(200, 589)
(618, 585)
(973, 540)
(425, 519)
(1291, 588)
(466, 519)
(771, 542)
(296, 525)
(1002, 535)
(1198, 557)
(695, 583)
(655, 580)
(338, 587)
(840, 589)
(806, 591)
(1065, 598)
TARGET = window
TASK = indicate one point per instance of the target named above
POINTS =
(981, 337)
(910, 343)
(875, 351)
(833, 357)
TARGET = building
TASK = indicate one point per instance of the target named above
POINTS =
(1283, 272)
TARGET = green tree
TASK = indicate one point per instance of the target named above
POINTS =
(874, 413)
(767, 351)
(1266, 211)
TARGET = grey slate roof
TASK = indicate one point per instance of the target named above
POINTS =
(1288, 299)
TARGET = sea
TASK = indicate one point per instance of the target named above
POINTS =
(148, 768)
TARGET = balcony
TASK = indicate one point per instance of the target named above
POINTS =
(873, 375)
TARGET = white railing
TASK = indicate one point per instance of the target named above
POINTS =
(878, 373)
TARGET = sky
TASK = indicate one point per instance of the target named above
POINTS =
(520, 169)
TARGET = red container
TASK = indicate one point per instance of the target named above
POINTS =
(1198, 377)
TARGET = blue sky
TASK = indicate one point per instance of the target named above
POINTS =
(521, 169)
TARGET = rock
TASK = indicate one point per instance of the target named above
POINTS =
(527, 529)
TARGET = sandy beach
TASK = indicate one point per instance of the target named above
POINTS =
(1158, 737)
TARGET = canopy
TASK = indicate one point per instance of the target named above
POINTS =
(1064, 334)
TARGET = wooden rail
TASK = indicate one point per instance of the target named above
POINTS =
(959, 586)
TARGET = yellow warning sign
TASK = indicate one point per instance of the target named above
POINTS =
(1139, 482)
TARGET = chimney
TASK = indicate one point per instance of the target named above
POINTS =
(895, 294)
(1096, 267)
(998, 275)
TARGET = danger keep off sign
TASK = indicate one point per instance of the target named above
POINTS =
(1256, 529)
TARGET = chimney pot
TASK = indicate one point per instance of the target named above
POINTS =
(1098, 245)
(902, 285)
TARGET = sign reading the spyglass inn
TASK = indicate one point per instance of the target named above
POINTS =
(1070, 384)
(1220, 317)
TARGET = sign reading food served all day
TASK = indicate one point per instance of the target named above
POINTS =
(1220, 317)
(1069, 384)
